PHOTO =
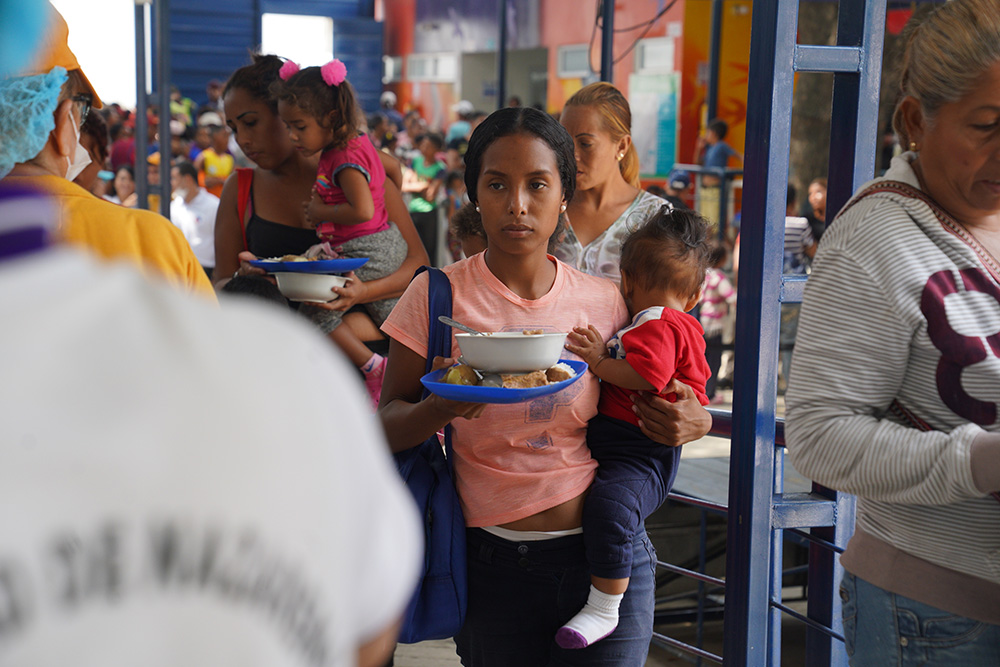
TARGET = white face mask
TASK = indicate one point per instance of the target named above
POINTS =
(81, 157)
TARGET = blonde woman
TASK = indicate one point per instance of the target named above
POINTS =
(608, 205)
(894, 392)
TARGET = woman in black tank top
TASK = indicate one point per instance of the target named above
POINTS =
(274, 221)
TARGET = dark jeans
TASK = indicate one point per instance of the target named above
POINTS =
(633, 478)
(521, 593)
(882, 628)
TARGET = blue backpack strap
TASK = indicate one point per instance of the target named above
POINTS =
(438, 334)
(438, 303)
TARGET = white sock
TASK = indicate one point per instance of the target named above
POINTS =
(594, 622)
(372, 363)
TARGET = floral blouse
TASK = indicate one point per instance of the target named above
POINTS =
(600, 257)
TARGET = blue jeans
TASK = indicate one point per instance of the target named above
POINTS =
(882, 629)
(521, 593)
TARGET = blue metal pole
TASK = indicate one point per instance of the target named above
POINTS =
(608, 40)
(752, 464)
(777, 568)
(141, 127)
(162, 60)
(854, 123)
(714, 50)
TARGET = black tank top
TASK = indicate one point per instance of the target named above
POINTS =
(271, 239)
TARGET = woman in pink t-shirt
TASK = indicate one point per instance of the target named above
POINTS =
(522, 470)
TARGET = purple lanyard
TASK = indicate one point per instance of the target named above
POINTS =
(22, 242)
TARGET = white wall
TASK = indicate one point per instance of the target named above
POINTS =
(102, 36)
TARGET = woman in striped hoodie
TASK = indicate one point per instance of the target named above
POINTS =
(895, 383)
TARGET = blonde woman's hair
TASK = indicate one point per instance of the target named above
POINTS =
(617, 117)
(944, 54)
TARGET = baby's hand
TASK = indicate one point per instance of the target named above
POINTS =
(588, 344)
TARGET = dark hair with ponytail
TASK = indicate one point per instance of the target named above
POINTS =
(256, 78)
(517, 120)
(333, 107)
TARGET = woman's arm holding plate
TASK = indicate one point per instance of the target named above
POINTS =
(407, 420)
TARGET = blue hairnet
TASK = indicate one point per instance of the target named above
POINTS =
(27, 105)
(22, 30)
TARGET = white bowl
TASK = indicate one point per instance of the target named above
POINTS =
(511, 351)
(309, 287)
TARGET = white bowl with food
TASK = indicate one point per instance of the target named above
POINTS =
(309, 287)
(511, 351)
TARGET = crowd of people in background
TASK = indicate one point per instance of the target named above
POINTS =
(203, 153)
(537, 220)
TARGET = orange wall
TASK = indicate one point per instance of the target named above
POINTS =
(733, 68)
(399, 23)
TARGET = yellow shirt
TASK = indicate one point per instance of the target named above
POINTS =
(111, 231)
(219, 166)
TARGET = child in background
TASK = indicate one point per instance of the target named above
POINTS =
(423, 180)
(712, 151)
(454, 187)
(215, 163)
(466, 227)
(320, 111)
(663, 266)
(718, 299)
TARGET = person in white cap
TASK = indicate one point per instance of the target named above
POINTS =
(388, 104)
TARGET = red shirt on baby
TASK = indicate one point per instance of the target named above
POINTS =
(660, 344)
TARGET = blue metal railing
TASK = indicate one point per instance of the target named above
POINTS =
(726, 179)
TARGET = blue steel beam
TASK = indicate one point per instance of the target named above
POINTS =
(853, 139)
(162, 60)
(826, 59)
(752, 468)
(608, 41)
(141, 127)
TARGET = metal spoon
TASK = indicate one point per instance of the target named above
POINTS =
(479, 376)
(458, 325)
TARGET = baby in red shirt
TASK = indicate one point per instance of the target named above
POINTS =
(663, 266)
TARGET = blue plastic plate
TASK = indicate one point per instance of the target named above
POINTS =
(342, 265)
(471, 394)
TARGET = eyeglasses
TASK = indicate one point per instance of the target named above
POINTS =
(87, 100)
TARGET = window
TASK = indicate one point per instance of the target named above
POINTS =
(392, 69)
(654, 55)
(306, 40)
(429, 67)
(574, 61)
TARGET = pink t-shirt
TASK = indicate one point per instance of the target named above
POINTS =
(660, 344)
(517, 460)
(360, 154)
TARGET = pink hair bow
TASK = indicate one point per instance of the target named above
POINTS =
(288, 69)
(334, 72)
